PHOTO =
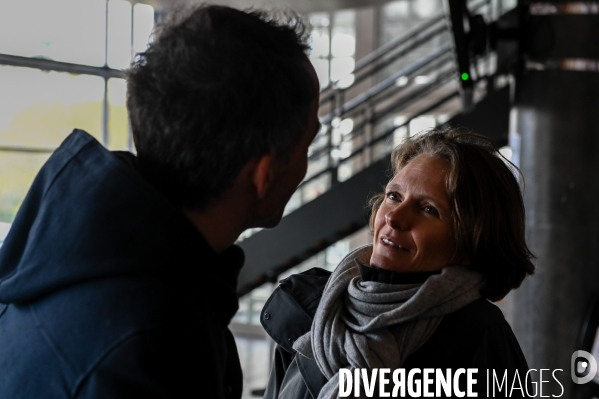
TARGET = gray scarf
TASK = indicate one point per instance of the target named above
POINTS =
(366, 324)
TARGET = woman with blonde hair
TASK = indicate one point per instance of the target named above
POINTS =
(448, 238)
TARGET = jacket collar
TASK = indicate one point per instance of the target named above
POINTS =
(88, 215)
(390, 277)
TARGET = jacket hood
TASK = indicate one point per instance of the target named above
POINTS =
(89, 215)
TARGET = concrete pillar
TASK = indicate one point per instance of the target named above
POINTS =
(555, 121)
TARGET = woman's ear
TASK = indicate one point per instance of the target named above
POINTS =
(263, 175)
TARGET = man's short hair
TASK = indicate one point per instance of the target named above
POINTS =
(215, 88)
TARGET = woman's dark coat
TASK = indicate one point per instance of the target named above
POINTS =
(476, 336)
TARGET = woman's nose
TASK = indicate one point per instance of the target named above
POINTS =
(398, 217)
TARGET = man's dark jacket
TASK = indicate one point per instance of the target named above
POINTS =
(108, 291)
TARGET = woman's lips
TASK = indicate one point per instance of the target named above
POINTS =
(388, 242)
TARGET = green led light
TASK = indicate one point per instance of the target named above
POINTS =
(465, 76)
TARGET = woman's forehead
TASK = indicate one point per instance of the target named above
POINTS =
(425, 176)
(423, 169)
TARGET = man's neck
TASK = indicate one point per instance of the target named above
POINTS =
(220, 229)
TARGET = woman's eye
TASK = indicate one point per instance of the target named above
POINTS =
(431, 210)
(392, 196)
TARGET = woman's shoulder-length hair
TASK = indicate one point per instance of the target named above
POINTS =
(487, 205)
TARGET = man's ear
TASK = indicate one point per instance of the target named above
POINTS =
(263, 175)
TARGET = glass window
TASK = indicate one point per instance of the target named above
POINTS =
(508, 4)
(426, 8)
(118, 121)
(39, 109)
(4, 228)
(397, 17)
(319, 42)
(119, 34)
(333, 47)
(335, 253)
(341, 67)
(17, 171)
(343, 43)
(397, 9)
(321, 66)
(320, 19)
(143, 23)
(63, 30)
(344, 17)
(422, 123)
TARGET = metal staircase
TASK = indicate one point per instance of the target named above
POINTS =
(349, 159)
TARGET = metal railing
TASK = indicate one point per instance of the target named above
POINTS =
(427, 86)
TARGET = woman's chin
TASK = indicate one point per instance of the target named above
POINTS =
(381, 262)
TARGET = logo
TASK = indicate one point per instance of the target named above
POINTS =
(583, 366)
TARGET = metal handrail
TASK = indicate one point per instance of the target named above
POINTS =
(426, 89)
(388, 82)
(436, 63)
(408, 35)
(393, 44)
(371, 60)
(414, 96)
(364, 105)
(435, 66)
